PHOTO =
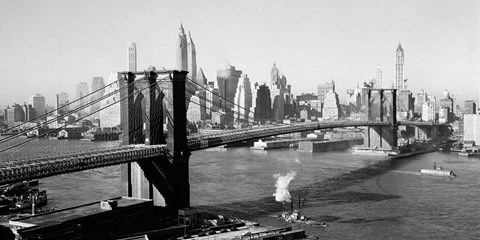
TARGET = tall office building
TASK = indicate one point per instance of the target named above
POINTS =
(29, 111)
(110, 113)
(98, 86)
(227, 81)
(132, 57)
(9, 116)
(330, 106)
(405, 105)
(182, 56)
(447, 102)
(323, 89)
(280, 95)
(243, 99)
(262, 104)
(80, 95)
(38, 103)
(201, 79)
(429, 109)
(191, 58)
(470, 107)
(399, 62)
(421, 98)
(61, 104)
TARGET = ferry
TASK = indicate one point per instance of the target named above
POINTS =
(470, 152)
(411, 150)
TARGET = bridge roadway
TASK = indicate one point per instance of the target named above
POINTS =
(28, 169)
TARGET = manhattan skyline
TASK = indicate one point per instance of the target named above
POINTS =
(50, 46)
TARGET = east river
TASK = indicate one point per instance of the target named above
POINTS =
(360, 197)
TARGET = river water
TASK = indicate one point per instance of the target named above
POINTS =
(360, 197)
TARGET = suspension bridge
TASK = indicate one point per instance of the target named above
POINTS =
(154, 164)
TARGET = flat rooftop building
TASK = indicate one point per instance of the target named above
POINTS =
(107, 219)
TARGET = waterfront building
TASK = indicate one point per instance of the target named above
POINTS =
(227, 81)
(80, 95)
(132, 57)
(108, 219)
(61, 104)
(97, 85)
(330, 106)
(399, 82)
(110, 114)
(470, 107)
(243, 99)
(323, 89)
(38, 103)
(262, 104)
(471, 128)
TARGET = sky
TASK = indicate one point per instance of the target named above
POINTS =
(50, 46)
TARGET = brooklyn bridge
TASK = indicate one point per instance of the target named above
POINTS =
(155, 158)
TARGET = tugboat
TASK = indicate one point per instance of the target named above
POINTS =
(63, 134)
(26, 201)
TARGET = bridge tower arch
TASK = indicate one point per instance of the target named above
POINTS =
(165, 179)
(380, 105)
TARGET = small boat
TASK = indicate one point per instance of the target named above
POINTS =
(38, 198)
(63, 134)
(32, 134)
(438, 172)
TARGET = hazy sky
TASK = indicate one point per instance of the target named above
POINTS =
(49, 46)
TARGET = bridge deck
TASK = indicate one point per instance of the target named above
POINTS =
(20, 170)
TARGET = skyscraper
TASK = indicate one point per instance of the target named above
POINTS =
(38, 103)
(61, 104)
(227, 80)
(80, 93)
(399, 62)
(182, 56)
(262, 104)
(330, 106)
(132, 57)
(97, 84)
(323, 89)
(191, 58)
(243, 98)
(110, 113)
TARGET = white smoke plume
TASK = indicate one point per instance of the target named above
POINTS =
(282, 194)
